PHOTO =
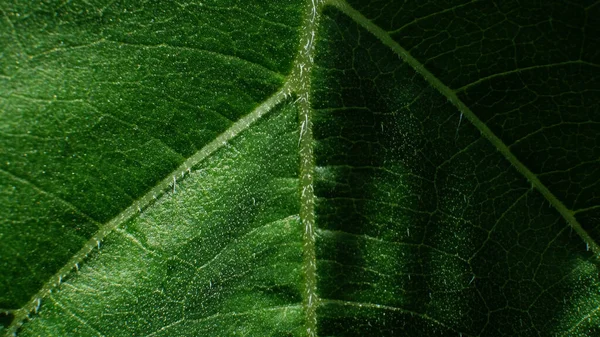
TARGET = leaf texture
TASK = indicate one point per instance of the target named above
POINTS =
(360, 168)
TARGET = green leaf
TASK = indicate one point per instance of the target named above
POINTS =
(299, 168)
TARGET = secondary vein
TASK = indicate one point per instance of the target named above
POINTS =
(450, 94)
(136, 207)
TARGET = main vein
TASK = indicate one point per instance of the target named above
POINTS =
(300, 84)
(167, 183)
(386, 39)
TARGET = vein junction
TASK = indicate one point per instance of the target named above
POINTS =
(297, 84)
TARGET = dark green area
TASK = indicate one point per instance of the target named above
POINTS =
(425, 229)
(541, 97)
(5, 320)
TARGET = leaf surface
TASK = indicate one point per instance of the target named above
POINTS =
(370, 168)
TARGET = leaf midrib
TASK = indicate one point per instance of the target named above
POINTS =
(301, 84)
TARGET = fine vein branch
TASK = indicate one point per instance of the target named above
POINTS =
(300, 84)
(168, 183)
(451, 95)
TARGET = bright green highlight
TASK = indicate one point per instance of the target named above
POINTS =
(201, 257)
(101, 100)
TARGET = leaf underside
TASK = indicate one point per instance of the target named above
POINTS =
(156, 169)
